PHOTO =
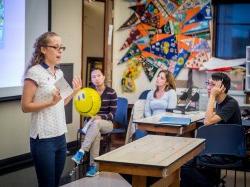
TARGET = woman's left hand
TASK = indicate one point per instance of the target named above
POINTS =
(77, 84)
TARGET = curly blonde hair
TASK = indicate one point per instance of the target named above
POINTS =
(41, 41)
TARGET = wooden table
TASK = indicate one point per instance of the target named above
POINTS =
(152, 124)
(152, 156)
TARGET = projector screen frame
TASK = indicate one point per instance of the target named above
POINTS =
(18, 97)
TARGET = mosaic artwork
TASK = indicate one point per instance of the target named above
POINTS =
(166, 34)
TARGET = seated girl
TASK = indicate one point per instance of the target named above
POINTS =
(160, 100)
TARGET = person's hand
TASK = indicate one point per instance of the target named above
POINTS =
(77, 84)
(56, 96)
(218, 89)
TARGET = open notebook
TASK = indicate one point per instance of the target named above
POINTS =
(175, 120)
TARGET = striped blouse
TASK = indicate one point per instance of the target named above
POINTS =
(109, 104)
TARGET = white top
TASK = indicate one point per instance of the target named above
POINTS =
(155, 106)
(49, 122)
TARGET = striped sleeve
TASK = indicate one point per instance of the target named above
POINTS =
(113, 106)
(109, 105)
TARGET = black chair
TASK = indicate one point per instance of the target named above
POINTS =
(246, 164)
(225, 147)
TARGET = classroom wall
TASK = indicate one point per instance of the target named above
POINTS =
(93, 31)
(14, 133)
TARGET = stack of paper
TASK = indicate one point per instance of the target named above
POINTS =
(175, 120)
(64, 87)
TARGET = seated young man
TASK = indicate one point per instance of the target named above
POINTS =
(101, 123)
(226, 111)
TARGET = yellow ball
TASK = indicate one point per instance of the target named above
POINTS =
(87, 102)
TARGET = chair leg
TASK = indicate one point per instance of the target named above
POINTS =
(245, 179)
(221, 179)
(235, 173)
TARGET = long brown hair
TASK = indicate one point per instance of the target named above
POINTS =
(41, 41)
(169, 78)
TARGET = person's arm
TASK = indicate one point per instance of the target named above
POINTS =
(77, 84)
(147, 109)
(27, 101)
(112, 107)
(211, 117)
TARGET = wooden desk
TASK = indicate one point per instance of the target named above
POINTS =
(152, 124)
(152, 155)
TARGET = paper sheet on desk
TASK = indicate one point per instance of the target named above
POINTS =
(64, 87)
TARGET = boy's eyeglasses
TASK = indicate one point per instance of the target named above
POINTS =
(209, 83)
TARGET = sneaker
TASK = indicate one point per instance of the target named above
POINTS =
(92, 171)
(78, 157)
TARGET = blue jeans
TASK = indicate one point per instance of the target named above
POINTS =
(49, 156)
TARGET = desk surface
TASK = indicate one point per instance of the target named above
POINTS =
(152, 155)
(194, 116)
(152, 150)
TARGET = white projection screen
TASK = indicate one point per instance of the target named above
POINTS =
(21, 22)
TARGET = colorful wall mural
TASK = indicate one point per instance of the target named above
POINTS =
(165, 34)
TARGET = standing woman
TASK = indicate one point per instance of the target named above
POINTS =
(43, 100)
(164, 97)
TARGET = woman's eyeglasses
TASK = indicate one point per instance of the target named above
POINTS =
(58, 48)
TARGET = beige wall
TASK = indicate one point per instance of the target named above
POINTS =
(14, 133)
(93, 31)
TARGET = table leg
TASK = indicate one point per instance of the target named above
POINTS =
(176, 181)
(139, 181)
(173, 180)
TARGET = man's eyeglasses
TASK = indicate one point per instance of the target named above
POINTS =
(209, 83)
(58, 48)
